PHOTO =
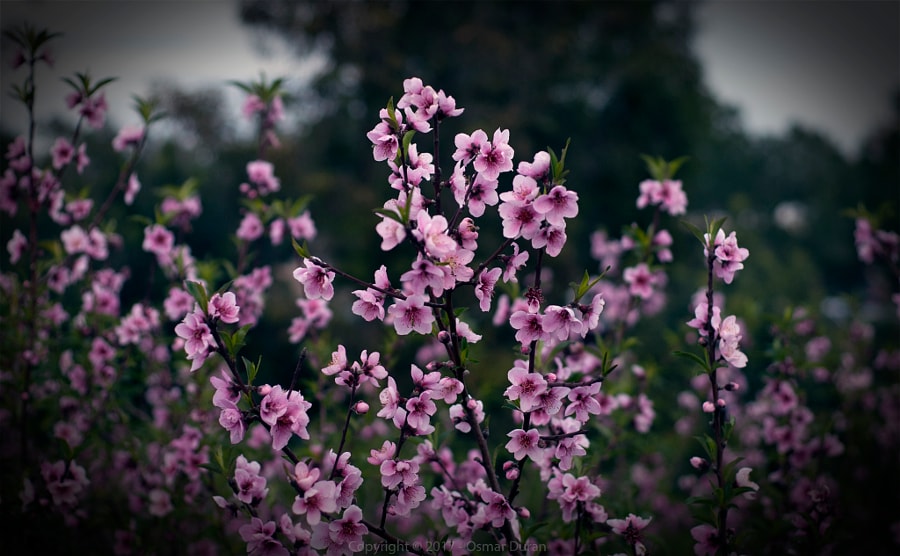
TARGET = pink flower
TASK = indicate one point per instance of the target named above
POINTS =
(640, 281)
(495, 157)
(484, 287)
(62, 152)
(384, 141)
(469, 146)
(707, 538)
(411, 314)
(550, 238)
(630, 527)
(394, 472)
(526, 387)
(285, 412)
(158, 240)
(538, 169)
(317, 500)
(16, 246)
(519, 220)
(260, 540)
(251, 227)
(128, 136)
(341, 535)
(729, 339)
(529, 327)
(198, 340)
(251, 486)
(316, 280)
(557, 205)
(302, 226)
(524, 444)
(224, 307)
(560, 322)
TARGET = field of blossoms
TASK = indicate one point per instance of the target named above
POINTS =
(487, 400)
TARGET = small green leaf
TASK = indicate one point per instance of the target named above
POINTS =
(198, 292)
(698, 233)
(388, 213)
(694, 357)
(301, 250)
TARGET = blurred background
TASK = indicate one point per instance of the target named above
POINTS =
(787, 110)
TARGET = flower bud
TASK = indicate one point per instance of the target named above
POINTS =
(699, 463)
(708, 407)
(512, 474)
(551, 377)
(361, 408)
(721, 403)
(443, 337)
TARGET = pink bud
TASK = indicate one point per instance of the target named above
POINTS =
(471, 404)
(512, 474)
(551, 377)
(708, 407)
(720, 402)
(361, 408)
(523, 512)
(443, 337)
(264, 389)
(698, 462)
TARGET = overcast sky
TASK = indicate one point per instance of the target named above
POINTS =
(829, 65)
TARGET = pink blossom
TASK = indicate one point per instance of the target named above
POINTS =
(384, 141)
(519, 220)
(514, 263)
(316, 500)
(16, 246)
(158, 240)
(260, 539)
(251, 486)
(433, 232)
(557, 205)
(394, 472)
(583, 402)
(729, 339)
(424, 274)
(251, 227)
(419, 411)
(302, 226)
(128, 136)
(285, 413)
(224, 307)
(560, 322)
(469, 146)
(630, 527)
(538, 169)
(525, 387)
(484, 287)
(341, 535)
(198, 340)
(529, 327)
(524, 443)
(729, 257)
(81, 162)
(316, 280)
(411, 314)
(495, 157)
(707, 538)
(62, 152)
(482, 192)
(640, 281)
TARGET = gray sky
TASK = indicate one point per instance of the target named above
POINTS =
(829, 65)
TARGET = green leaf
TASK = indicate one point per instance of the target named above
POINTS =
(198, 292)
(388, 213)
(698, 233)
(673, 166)
(301, 250)
(694, 357)
(407, 139)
